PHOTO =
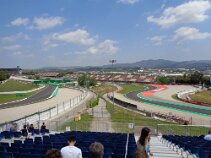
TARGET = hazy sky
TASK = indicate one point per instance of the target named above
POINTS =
(39, 33)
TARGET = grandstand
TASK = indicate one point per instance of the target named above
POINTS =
(117, 78)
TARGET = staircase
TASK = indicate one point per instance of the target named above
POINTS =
(160, 150)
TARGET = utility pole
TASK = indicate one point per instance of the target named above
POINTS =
(112, 63)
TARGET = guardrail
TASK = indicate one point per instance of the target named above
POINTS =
(46, 114)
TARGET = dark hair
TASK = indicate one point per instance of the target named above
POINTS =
(96, 150)
(71, 139)
(144, 133)
(53, 153)
(24, 126)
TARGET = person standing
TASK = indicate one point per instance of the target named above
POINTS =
(143, 146)
(208, 136)
(71, 151)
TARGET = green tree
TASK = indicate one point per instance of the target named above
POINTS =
(4, 75)
(86, 81)
(164, 80)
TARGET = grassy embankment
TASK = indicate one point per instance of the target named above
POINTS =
(204, 96)
(13, 85)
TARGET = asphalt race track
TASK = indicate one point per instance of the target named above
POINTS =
(134, 96)
(42, 95)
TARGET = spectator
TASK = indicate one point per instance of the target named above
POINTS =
(96, 150)
(31, 128)
(143, 142)
(208, 136)
(43, 127)
(24, 131)
(53, 153)
(13, 128)
(71, 151)
(140, 154)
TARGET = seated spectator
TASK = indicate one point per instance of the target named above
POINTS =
(14, 128)
(96, 150)
(208, 136)
(71, 151)
(53, 153)
(24, 131)
(43, 127)
(31, 128)
(143, 142)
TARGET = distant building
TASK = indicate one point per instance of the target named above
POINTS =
(48, 74)
(12, 71)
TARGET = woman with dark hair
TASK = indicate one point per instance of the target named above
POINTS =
(143, 143)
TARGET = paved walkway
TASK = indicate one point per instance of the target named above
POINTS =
(101, 121)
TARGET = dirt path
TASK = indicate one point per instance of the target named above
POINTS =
(102, 118)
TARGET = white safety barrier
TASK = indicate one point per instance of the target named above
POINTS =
(181, 94)
(47, 114)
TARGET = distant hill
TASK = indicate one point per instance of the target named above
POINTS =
(161, 63)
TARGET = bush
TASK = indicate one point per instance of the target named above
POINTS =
(94, 103)
(4, 76)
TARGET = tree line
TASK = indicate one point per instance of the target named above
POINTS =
(193, 78)
(4, 76)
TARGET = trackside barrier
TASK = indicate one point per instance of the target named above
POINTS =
(46, 114)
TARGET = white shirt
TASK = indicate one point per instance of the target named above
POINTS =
(71, 152)
(208, 137)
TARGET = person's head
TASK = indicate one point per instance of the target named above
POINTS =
(31, 125)
(71, 140)
(144, 136)
(43, 123)
(24, 126)
(53, 153)
(96, 150)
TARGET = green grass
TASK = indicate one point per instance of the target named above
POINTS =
(104, 88)
(204, 96)
(121, 117)
(83, 125)
(4, 98)
(12, 85)
(130, 87)
(174, 96)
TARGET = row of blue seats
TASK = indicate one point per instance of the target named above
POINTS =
(9, 135)
(115, 144)
(193, 144)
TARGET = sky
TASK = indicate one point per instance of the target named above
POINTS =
(52, 33)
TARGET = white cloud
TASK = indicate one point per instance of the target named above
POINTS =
(189, 33)
(157, 40)
(17, 53)
(80, 36)
(12, 47)
(106, 47)
(42, 23)
(20, 21)
(189, 12)
(128, 1)
(48, 46)
(13, 38)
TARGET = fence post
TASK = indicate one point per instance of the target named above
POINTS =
(50, 112)
(57, 108)
(39, 119)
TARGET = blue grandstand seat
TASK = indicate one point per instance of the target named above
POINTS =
(193, 144)
(114, 144)
(6, 155)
